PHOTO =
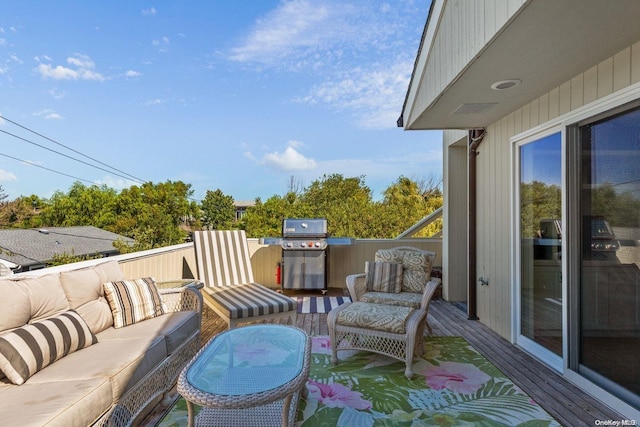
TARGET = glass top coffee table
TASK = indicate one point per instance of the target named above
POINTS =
(251, 375)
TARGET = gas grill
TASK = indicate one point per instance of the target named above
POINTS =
(305, 244)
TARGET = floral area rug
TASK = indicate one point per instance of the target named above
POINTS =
(453, 385)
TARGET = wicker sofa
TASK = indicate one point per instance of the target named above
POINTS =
(63, 360)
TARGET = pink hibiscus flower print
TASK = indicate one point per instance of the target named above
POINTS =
(458, 377)
(321, 345)
(336, 395)
(260, 354)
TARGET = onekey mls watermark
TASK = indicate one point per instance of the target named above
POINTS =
(616, 423)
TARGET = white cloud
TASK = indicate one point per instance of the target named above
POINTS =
(161, 44)
(48, 114)
(373, 96)
(288, 160)
(156, 101)
(305, 34)
(133, 73)
(294, 25)
(7, 176)
(150, 11)
(82, 68)
(57, 94)
(116, 183)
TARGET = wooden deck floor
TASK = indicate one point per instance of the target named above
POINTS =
(569, 405)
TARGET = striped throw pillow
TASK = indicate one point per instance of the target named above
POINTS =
(28, 349)
(383, 276)
(133, 301)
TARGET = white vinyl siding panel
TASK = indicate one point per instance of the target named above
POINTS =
(494, 174)
(465, 27)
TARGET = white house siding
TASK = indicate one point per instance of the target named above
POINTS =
(455, 216)
(465, 27)
(494, 178)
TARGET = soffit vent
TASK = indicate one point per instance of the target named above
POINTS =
(476, 108)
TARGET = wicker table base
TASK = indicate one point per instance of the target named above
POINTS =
(248, 376)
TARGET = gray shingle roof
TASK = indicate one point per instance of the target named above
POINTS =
(39, 245)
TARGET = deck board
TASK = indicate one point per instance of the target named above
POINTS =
(562, 399)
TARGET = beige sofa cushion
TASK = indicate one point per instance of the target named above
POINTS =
(109, 271)
(175, 327)
(76, 403)
(46, 295)
(83, 288)
(15, 305)
(124, 362)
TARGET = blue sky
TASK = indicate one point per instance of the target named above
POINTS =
(232, 95)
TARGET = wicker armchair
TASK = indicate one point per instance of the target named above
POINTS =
(418, 284)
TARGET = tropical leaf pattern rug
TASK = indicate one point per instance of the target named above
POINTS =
(453, 385)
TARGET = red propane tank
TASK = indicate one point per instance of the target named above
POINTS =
(278, 274)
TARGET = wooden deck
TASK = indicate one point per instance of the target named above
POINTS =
(569, 405)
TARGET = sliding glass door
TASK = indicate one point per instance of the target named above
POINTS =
(540, 230)
(609, 254)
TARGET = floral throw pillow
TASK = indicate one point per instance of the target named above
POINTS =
(416, 267)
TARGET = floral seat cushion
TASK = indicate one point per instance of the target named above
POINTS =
(379, 317)
(403, 299)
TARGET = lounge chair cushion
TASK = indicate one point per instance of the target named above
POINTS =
(383, 276)
(248, 300)
(30, 348)
(133, 301)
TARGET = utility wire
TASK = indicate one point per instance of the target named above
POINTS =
(139, 180)
(69, 157)
(45, 168)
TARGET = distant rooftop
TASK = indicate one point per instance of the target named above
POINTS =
(32, 248)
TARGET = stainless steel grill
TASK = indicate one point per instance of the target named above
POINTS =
(305, 244)
(304, 253)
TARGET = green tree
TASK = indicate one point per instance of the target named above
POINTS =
(154, 214)
(265, 219)
(344, 202)
(82, 205)
(218, 210)
(406, 202)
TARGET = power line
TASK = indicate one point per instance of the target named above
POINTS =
(128, 175)
(65, 155)
(45, 168)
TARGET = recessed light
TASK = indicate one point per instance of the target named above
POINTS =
(505, 84)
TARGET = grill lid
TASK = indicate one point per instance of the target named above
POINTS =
(304, 227)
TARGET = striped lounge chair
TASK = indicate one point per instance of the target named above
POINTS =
(224, 266)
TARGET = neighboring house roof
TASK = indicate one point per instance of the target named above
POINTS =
(38, 245)
(243, 204)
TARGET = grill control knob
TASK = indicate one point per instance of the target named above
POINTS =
(317, 244)
(289, 244)
(303, 245)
